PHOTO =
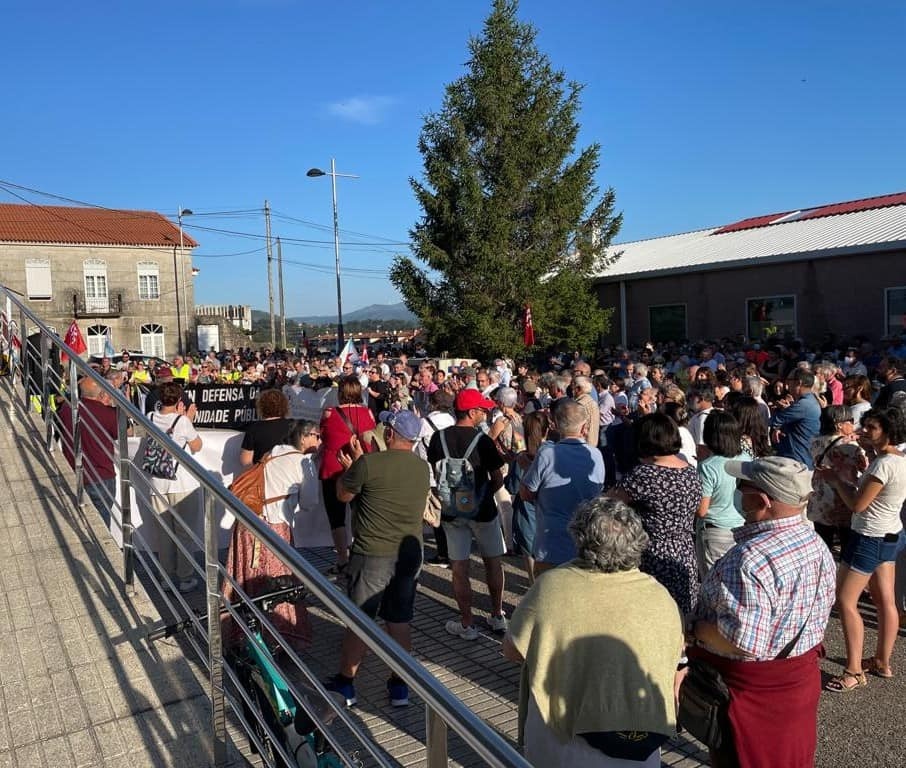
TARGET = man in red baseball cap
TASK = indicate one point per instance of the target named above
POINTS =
(465, 440)
(468, 399)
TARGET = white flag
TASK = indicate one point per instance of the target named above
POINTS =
(349, 353)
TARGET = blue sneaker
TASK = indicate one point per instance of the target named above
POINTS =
(346, 690)
(399, 693)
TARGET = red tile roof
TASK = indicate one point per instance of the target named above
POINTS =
(86, 226)
(834, 209)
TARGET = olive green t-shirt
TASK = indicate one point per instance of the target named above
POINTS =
(391, 488)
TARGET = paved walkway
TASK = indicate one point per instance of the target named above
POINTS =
(80, 685)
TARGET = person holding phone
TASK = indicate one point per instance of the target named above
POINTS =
(870, 554)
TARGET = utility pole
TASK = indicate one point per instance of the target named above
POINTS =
(270, 272)
(336, 248)
(282, 306)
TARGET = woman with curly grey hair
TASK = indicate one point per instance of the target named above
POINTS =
(599, 642)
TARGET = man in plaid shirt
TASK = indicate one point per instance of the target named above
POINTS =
(761, 618)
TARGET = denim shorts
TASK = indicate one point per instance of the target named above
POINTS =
(865, 553)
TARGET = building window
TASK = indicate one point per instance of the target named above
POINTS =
(148, 280)
(37, 279)
(97, 338)
(153, 339)
(895, 310)
(771, 316)
(96, 296)
(667, 322)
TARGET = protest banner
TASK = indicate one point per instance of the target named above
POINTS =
(224, 406)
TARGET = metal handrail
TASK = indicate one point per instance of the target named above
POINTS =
(443, 709)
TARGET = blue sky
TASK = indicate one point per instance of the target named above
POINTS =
(707, 112)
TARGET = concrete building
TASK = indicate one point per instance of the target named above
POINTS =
(837, 269)
(239, 315)
(116, 270)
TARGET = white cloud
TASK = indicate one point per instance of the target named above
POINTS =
(368, 110)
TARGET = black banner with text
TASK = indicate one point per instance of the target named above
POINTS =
(224, 406)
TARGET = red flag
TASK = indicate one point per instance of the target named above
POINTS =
(74, 338)
(529, 336)
(365, 352)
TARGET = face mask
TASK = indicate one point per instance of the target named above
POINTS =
(849, 360)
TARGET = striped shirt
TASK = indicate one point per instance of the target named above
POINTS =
(779, 577)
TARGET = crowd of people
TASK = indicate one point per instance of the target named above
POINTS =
(674, 507)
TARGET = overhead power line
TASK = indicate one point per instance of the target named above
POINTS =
(381, 242)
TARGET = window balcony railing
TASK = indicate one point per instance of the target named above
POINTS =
(97, 306)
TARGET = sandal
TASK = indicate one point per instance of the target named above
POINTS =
(839, 684)
(874, 667)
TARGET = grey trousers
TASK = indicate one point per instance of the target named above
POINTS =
(711, 544)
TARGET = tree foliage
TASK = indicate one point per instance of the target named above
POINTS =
(511, 212)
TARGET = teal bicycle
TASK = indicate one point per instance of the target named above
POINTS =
(287, 729)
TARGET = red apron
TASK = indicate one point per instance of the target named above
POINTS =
(773, 707)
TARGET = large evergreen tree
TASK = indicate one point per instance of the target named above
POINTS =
(512, 215)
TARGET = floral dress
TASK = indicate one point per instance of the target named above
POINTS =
(848, 460)
(666, 499)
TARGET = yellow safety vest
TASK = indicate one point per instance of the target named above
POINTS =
(181, 373)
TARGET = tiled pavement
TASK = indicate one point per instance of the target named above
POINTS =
(474, 670)
(82, 687)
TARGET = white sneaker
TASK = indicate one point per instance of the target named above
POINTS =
(497, 624)
(454, 627)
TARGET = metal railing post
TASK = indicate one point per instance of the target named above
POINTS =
(125, 501)
(8, 339)
(24, 360)
(215, 640)
(77, 464)
(45, 391)
(435, 739)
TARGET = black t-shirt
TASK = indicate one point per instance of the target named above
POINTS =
(261, 436)
(484, 459)
(379, 403)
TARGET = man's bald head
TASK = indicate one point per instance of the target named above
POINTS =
(89, 388)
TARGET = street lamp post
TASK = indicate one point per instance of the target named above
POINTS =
(314, 173)
(179, 214)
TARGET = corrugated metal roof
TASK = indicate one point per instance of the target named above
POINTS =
(705, 250)
(755, 221)
(817, 211)
(857, 205)
(86, 226)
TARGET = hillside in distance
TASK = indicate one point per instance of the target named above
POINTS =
(381, 312)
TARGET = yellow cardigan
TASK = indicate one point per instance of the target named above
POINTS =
(600, 651)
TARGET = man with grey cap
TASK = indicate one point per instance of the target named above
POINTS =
(388, 490)
(768, 600)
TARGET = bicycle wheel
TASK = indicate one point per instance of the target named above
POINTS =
(270, 756)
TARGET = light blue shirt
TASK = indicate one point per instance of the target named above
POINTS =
(563, 475)
(721, 489)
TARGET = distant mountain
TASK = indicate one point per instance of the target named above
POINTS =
(381, 312)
